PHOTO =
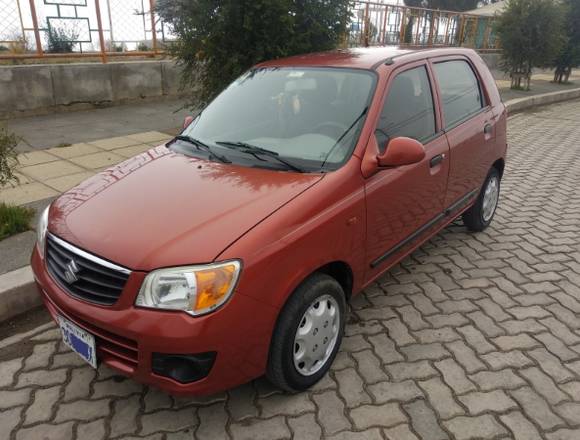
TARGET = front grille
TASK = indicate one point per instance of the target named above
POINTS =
(83, 275)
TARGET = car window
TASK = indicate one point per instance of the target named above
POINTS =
(408, 109)
(310, 116)
(460, 91)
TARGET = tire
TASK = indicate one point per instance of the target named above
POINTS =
(479, 216)
(283, 369)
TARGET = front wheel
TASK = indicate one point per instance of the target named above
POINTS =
(308, 334)
(480, 215)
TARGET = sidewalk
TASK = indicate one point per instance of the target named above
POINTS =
(57, 129)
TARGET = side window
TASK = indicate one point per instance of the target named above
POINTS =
(460, 90)
(408, 109)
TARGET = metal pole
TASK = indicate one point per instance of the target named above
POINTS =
(153, 27)
(403, 24)
(385, 25)
(101, 36)
(20, 17)
(35, 26)
(111, 37)
(366, 24)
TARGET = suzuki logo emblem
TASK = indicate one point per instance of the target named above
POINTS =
(70, 274)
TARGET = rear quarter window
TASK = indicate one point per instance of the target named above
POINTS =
(460, 91)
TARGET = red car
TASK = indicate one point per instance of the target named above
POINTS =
(232, 251)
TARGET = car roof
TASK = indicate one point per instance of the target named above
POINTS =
(362, 58)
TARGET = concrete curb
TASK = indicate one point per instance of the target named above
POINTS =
(17, 290)
(17, 293)
(521, 104)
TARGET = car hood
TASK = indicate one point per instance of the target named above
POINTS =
(162, 209)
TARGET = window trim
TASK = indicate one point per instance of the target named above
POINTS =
(482, 90)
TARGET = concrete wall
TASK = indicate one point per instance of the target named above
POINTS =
(35, 89)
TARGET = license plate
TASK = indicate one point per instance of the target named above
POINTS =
(79, 340)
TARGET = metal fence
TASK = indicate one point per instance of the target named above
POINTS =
(379, 24)
(80, 28)
(106, 28)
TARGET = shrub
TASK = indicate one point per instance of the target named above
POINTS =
(8, 158)
(142, 47)
(14, 219)
(531, 36)
(60, 40)
(569, 56)
(218, 41)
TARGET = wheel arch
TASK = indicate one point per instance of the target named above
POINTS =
(341, 272)
(499, 165)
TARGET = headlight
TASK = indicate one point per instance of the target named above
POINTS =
(194, 289)
(41, 230)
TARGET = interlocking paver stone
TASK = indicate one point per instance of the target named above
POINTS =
(473, 336)
(493, 401)
(94, 430)
(305, 427)
(331, 412)
(9, 369)
(424, 421)
(491, 380)
(454, 376)
(41, 409)
(8, 421)
(366, 416)
(212, 421)
(466, 428)
(521, 428)
(441, 398)
(166, 420)
(401, 432)
(125, 413)
(63, 431)
(536, 408)
(271, 429)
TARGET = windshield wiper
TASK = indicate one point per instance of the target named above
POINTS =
(342, 136)
(202, 146)
(255, 150)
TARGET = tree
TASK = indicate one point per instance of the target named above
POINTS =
(219, 40)
(569, 56)
(531, 36)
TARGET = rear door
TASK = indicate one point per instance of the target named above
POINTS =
(468, 122)
(406, 202)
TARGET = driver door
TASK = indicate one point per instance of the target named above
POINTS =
(405, 203)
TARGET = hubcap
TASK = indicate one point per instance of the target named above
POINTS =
(490, 198)
(316, 335)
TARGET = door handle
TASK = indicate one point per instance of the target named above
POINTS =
(487, 129)
(436, 160)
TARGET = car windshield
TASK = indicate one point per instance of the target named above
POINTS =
(291, 118)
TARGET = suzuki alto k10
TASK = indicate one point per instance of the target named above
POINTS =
(231, 251)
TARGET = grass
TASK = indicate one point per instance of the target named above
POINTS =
(14, 219)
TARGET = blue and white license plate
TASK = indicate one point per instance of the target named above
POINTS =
(79, 340)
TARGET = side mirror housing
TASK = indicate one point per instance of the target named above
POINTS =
(401, 151)
(188, 120)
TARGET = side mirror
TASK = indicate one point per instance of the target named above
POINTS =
(401, 151)
(188, 120)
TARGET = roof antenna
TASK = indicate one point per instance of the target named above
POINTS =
(389, 61)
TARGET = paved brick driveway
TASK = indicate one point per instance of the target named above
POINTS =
(474, 336)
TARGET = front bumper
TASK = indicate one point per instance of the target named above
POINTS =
(127, 336)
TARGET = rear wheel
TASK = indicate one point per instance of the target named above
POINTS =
(308, 334)
(480, 215)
